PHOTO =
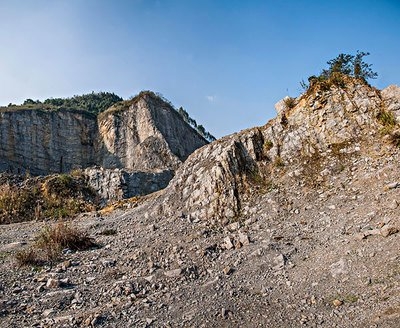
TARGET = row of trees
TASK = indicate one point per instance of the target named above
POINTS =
(199, 128)
(95, 102)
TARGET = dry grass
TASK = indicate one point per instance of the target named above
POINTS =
(28, 256)
(289, 102)
(51, 241)
(53, 197)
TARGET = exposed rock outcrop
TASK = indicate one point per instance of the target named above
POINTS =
(216, 179)
(144, 135)
(116, 184)
(45, 142)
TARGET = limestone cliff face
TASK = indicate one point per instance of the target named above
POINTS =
(43, 142)
(216, 180)
(145, 134)
(141, 135)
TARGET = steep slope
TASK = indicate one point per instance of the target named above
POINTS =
(323, 127)
(145, 133)
(42, 142)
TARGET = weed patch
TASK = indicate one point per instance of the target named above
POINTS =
(50, 242)
(52, 197)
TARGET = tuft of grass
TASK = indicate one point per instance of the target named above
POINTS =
(50, 242)
(278, 162)
(289, 102)
(386, 118)
(27, 257)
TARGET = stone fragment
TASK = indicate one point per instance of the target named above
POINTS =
(228, 243)
(233, 226)
(227, 271)
(108, 262)
(244, 239)
(238, 245)
(338, 268)
(392, 185)
(52, 283)
(47, 312)
(393, 204)
(173, 273)
(337, 303)
(40, 288)
(388, 230)
(279, 262)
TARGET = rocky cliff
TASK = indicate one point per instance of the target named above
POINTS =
(144, 134)
(321, 126)
(43, 142)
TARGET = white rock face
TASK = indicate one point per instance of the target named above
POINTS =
(215, 179)
(133, 149)
(391, 97)
(145, 134)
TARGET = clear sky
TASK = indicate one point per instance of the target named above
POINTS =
(226, 62)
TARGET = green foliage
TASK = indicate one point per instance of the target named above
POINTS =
(386, 118)
(199, 128)
(278, 162)
(342, 65)
(93, 102)
(268, 145)
(351, 65)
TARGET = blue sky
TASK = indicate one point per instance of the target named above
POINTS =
(226, 62)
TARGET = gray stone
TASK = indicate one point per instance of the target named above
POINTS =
(173, 273)
(228, 243)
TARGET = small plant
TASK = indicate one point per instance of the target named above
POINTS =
(386, 118)
(289, 102)
(268, 145)
(278, 162)
(27, 257)
(53, 239)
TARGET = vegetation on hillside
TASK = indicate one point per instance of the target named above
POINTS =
(98, 102)
(51, 197)
(344, 65)
(94, 103)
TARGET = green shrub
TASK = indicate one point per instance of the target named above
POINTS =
(268, 145)
(386, 118)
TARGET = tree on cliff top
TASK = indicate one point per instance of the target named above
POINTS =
(352, 65)
(343, 64)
